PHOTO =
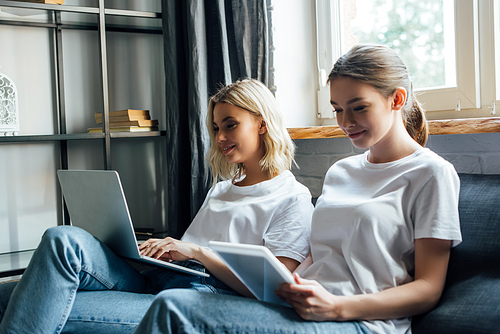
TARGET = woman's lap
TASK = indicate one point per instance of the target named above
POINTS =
(113, 311)
(121, 312)
(168, 279)
(107, 312)
(183, 311)
(69, 259)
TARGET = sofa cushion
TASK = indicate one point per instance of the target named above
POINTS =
(471, 298)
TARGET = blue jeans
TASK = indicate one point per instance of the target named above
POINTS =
(183, 311)
(76, 284)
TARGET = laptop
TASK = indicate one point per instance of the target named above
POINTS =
(96, 203)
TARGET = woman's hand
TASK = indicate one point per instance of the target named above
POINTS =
(313, 302)
(169, 249)
(310, 299)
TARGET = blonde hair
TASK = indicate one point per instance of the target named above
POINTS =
(381, 67)
(254, 97)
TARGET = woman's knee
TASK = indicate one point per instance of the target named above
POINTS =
(64, 234)
(61, 231)
(164, 315)
(174, 299)
(59, 239)
(172, 295)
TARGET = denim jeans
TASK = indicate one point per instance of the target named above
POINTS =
(76, 284)
(187, 311)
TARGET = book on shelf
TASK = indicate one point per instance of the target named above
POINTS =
(114, 119)
(126, 112)
(125, 129)
(139, 122)
(128, 120)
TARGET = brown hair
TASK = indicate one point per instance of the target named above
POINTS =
(382, 68)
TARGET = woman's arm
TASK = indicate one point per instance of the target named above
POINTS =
(313, 302)
(170, 249)
(291, 264)
(304, 265)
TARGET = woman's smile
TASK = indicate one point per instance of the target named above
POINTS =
(227, 149)
(355, 135)
(363, 113)
(237, 134)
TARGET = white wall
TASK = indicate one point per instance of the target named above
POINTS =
(29, 191)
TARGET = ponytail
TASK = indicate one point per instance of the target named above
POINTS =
(415, 121)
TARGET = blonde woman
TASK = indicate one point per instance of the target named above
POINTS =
(254, 199)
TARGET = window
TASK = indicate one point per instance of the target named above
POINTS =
(427, 48)
(449, 61)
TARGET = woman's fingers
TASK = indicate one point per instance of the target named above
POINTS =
(169, 249)
(155, 248)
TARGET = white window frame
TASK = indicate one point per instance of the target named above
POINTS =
(465, 96)
(328, 48)
(496, 40)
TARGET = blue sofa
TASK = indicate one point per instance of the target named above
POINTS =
(470, 303)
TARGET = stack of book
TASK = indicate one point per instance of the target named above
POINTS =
(127, 120)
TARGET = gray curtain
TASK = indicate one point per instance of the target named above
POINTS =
(207, 44)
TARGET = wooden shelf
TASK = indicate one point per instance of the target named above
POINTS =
(436, 127)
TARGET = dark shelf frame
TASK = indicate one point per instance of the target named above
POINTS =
(77, 136)
(57, 25)
(80, 9)
(86, 26)
(102, 28)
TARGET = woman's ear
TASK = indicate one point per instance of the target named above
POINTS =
(262, 127)
(399, 98)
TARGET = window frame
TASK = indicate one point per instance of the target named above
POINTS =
(473, 54)
(496, 40)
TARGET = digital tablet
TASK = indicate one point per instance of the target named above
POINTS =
(256, 267)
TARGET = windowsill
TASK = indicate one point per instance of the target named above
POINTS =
(436, 127)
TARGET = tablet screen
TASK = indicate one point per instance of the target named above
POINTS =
(258, 269)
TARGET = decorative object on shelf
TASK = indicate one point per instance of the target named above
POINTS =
(128, 120)
(9, 110)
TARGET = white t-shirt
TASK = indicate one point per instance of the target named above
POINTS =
(274, 213)
(367, 218)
